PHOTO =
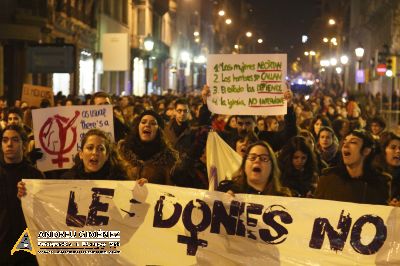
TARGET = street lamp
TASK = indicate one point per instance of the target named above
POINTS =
(148, 46)
(248, 35)
(359, 51)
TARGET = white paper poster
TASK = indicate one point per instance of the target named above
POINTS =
(247, 84)
(59, 130)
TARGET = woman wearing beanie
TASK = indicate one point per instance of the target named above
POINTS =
(145, 152)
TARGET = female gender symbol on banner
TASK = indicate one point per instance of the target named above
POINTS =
(56, 145)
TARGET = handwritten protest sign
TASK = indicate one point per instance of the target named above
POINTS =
(165, 225)
(33, 94)
(59, 131)
(247, 84)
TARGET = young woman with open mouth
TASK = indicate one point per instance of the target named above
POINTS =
(97, 159)
(258, 174)
(355, 179)
(145, 152)
(389, 161)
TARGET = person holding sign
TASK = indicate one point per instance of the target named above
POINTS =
(355, 179)
(145, 152)
(247, 123)
(258, 174)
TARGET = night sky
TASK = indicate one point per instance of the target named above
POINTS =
(283, 22)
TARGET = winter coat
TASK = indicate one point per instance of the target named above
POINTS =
(157, 169)
(105, 173)
(12, 221)
(277, 139)
(336, 184)
(183, 142)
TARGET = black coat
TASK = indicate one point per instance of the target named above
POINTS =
(12, 221)
(336, 184)
(105, 173)
(277, 139)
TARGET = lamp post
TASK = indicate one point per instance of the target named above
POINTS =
(148, 46)
(248, 35)
(359, 51)
(344, 60)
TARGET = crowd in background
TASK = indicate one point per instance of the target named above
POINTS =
(324, 147)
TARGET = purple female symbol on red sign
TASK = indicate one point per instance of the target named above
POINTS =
(56, 145)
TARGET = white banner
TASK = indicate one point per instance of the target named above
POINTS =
(163, 225)
(222, 160)
(59, 130)
(251, 84)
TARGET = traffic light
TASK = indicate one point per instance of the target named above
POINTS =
(389, 63)
(391, 68)
(381, 58)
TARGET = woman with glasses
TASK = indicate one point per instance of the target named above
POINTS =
(145, 152)
(258, 174)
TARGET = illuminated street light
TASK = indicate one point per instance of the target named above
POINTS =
(185, 56)
(324, 63)
(306, 53)
(221, 13)
(201, 59)
(249, 34)
(236, 46)
(197, 40)
(389, 73)
(338, 70)
(344, 59)
(331, 21)
(359, 52)
(148, 43)
(196, 33)
(333, 40)
(228, 21)
(148, 46)
(333, 61)
(304, 38)
(312, 53)
(260, 40)
(325, 39)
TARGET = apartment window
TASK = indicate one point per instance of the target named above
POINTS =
(141, 21)
(107, 7)
(125, 11)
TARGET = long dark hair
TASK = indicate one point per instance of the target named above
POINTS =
(285, 160)
(133, 147)
(380, 158)
(273, 186)
(112, 162)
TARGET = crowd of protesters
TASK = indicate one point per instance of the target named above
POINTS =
(323, 148)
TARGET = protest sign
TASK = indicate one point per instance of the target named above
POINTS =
(251, 84)
(33, 94)
(222, 160)
(164, 225)
(59, 130)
